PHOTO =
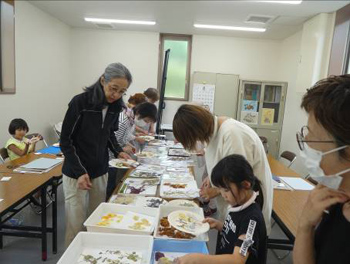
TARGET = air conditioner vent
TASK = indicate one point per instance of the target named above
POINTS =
(104, 25)
(260, 19)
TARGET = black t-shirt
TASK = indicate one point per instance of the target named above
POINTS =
(236, 224)
(332, 238)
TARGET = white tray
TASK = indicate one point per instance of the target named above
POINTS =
(136, 200)
(149, 190)
(191, 190)
(165, 210)
(106, 208)
(86, 240)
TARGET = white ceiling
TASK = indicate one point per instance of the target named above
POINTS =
(179, 16)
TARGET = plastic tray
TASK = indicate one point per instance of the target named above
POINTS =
(105, 208)
(107, 241)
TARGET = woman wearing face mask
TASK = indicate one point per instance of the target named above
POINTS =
(141, 128)
(87, 133)
(324, 226)
(145, 112)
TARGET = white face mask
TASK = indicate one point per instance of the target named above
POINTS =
(312, 159)
(140, 122)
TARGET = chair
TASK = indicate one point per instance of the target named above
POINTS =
(57, 129)
(265, 143)
(3, 154)
(290, 156)
(29, 136)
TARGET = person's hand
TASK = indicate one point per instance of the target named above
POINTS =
(205, 183)
(142, 133)
(35, 139)
(213, 223)
(209, 193)
(129, 149)
(84, 182)
(140, 140)
(123, 155)
(319, 200)
(187, 259)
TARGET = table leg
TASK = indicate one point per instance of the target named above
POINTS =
(1, 236)
(54, 217)
(43, 224)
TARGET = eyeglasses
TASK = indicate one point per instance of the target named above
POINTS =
(302, 135)
(116, 91)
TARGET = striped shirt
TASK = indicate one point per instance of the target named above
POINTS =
(125, 133)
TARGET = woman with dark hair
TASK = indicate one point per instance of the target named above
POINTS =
(125, 135)
(87, 133)
(324, 226)
(223, 136)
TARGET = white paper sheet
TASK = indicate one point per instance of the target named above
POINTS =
(42, 163)
(297, 183)
(5, 178)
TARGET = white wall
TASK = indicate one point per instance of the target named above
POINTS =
(316, 42)
(249, 58)
(42, 72)
(54, 62)
(271, 60)
(294, 116)
(93, 50)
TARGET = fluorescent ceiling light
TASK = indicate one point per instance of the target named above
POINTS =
(119, 21)
(296, 2)
(230, 28)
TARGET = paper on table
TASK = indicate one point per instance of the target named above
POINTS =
(280, 185)
(1, 200)
(42, 163)
(5, 178)
(297, 183)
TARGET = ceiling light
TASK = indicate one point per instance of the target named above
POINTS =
(296, 2)
(230, 28)
(119, 21)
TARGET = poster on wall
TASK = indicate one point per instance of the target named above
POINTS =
(267, 116)
(204, 93)
(250, 118)
(250, 105)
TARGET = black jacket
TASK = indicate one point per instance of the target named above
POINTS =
(85, 139)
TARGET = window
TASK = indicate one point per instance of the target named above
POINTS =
(177, 85)
(7, 47)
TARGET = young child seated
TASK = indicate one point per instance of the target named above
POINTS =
(18, 145)
(242, 237)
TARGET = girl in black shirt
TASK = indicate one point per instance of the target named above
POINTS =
(243, 234)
